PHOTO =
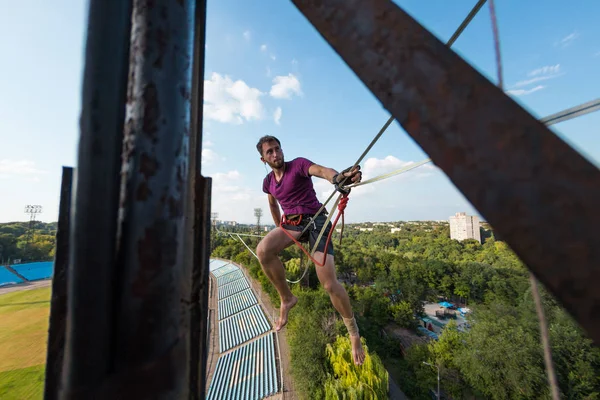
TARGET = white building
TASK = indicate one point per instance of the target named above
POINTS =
(463, 226)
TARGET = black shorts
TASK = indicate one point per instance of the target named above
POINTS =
(312, 233)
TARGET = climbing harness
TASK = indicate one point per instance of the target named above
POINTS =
(292, 219)
(341, 207)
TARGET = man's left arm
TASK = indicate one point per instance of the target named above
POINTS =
(329, 173)
(322, 172)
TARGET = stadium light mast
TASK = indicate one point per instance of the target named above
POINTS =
(258, 214)
(33, 211)
(214, 217)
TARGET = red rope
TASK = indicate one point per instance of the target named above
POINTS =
(341, 207)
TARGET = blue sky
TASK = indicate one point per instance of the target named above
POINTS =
(269, 72)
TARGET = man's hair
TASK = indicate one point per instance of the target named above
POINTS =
(266, 139)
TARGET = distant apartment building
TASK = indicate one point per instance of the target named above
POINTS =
(463, 226)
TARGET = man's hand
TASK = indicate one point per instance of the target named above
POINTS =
(349, 176)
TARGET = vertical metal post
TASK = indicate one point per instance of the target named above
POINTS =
(151, 324)
(200, 287)
(87, 355)
(58, 305)
(198, 212)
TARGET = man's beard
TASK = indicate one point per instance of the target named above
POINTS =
(278, 164)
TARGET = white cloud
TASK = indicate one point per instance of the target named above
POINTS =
(209, 156)
(533, 80)
(294, 61)
(221, 179)
(285, 86)
(537, 75)
(268, 72)
(233, 200)
(277, 115)
(545, 70)
(540, 74)
(264, 48)
(374, 167)
(225, 182)
(231, 102)
(226, 177)
(523, 92)
(10, 168)
(247, 35)
(567, 40)
(208, 143)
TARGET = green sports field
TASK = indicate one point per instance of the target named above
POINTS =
(23, 335)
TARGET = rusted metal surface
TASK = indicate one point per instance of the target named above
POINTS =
(152, 311)
(96, 186)
(200, 287)
(198, 219)
(538, 193)
(58, 306)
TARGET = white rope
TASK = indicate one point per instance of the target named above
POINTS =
(249, 249)
(242, 234)
(390, 174)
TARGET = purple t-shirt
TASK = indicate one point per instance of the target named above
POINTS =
(295, 192)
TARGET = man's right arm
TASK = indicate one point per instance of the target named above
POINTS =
(274, 206)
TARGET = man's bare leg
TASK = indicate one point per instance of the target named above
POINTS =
(341, 302)
(268, 255)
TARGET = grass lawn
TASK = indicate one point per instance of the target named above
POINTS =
(23, 334)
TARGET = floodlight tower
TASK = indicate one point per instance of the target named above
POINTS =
(214, 217)
(258, 214)
(33, 211)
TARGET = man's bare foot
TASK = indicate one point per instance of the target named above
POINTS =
(358, 354)
(283, 312)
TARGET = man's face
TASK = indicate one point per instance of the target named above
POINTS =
(272, 154)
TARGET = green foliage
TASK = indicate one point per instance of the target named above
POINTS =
(293, 265)
(389, 277)
(418, 378)
(402, 313)
(16, 242)
(502, 357)
(443, 353)
(307, 343)
(349, 381)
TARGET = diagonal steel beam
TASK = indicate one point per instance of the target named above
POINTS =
(538, 193)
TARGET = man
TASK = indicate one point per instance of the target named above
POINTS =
(289, 184)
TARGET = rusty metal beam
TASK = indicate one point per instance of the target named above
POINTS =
(538, 193)
(58, 306)
(96, 193)
(132, 278)
(151, 312)
(198, 219)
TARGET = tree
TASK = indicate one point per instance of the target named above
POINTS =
(501, 357)
(443, 352)
(346, 380)
(403, 315)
